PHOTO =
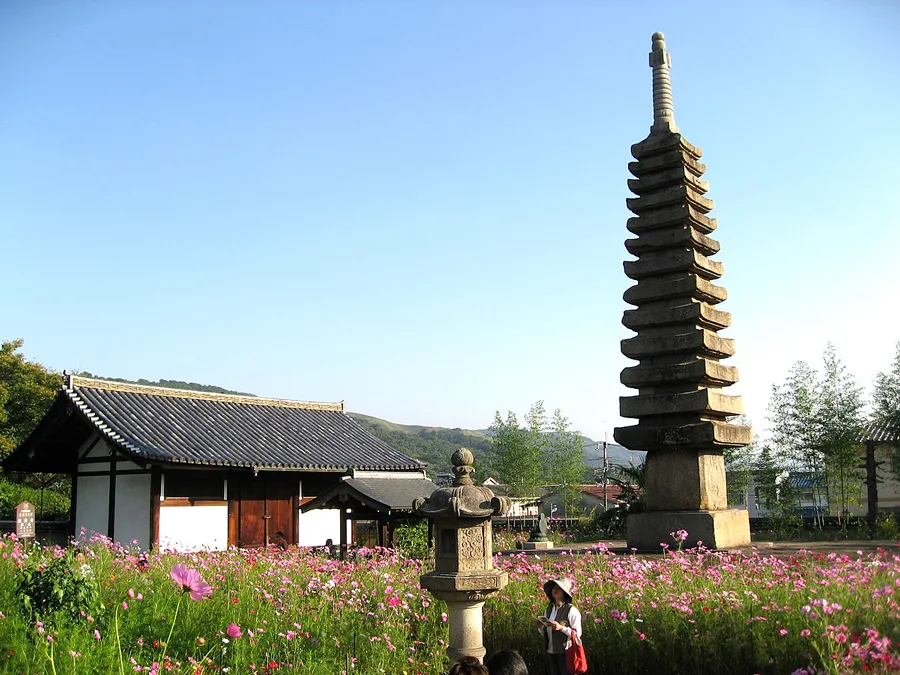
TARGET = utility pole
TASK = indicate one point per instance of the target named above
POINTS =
(605, 472)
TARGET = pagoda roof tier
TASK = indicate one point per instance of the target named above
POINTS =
(693, 313)
(690, 286)
(699, 341)
(706, 434)
(706, 401)
(679, 237)
(672, 216)
(667, 160)
(670, 261)
(676, 175)
(697, 371)
(678, 194)
(659, 143)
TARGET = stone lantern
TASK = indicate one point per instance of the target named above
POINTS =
(464, 575)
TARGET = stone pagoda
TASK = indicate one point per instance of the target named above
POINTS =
(464, 575)
(681, 411)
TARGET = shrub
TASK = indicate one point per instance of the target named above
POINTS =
(55, 505)
(412, 540)
(51, 585)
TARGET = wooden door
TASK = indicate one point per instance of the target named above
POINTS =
(263, 506)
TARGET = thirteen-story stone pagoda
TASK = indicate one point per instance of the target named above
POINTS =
(681, 411)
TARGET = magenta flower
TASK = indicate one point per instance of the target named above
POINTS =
(190, 582)
(233, 631)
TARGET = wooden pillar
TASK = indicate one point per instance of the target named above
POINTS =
(73, 505)
(155, 492)
(380, 525)
(343, 539)
(111, 516)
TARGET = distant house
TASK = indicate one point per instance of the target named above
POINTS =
(808, 490)
(187, 469)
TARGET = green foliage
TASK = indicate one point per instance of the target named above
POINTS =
(886, 393)
(631, 480)
(517, 454)
(412, 540)
(538, 453)
(815, 426)
(888, 527)
(55, 589)
(26, 391)
(55, 504)
(432, 445)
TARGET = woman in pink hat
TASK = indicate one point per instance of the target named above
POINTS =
(560, 622)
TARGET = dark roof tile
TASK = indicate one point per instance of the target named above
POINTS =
(240, 431)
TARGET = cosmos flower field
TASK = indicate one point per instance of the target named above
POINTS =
(265, 611)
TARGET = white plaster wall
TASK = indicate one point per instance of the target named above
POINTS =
(99, 450)
(133, 509)
(319, 525)
(92, 504)
(191, 528)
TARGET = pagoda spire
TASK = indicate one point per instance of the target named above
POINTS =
(663, 109)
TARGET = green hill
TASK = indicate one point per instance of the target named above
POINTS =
(432, 445)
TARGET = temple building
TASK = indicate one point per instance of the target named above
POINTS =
(189, 470)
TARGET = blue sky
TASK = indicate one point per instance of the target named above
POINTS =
(419, 208)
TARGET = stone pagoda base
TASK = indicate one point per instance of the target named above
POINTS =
(537, 545)
(728, 528)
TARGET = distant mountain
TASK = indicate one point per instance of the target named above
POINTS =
(615, 454)
(432, 445)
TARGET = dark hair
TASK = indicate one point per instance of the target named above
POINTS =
(468, 665)
(507, 662)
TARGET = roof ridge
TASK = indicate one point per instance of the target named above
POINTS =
(75, 381)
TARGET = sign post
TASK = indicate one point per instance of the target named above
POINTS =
(25, 521)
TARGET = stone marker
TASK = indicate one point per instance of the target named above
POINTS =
(25, 520)
(681, 410)
(464, 575)
(539, 540)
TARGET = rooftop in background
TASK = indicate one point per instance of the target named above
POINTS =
(165, 425)
(881, 432)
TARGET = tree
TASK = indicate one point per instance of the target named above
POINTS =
(538, 453)
(766, 473)
(792, 410)
(26, 391)
(517, 458)
(815, 426)
(886, 405)
(886, 394)
(563, 456)
(739, 468)
(837, 422)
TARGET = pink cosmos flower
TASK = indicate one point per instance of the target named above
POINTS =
(233, 631)
(190, 582)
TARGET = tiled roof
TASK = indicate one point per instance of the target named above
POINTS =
(805, 479)
(382, 494)
(881, 432)
(192, 427)
(612, 491)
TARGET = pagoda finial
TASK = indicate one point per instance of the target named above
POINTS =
(663, 110)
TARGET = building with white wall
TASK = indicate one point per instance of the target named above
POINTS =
(188, 470)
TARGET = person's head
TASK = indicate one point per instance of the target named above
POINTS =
(559, 590)
(468, 665)
(507, 662)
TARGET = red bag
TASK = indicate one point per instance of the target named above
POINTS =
(576, 659)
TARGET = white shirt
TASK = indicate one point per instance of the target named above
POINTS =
(574, 622)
